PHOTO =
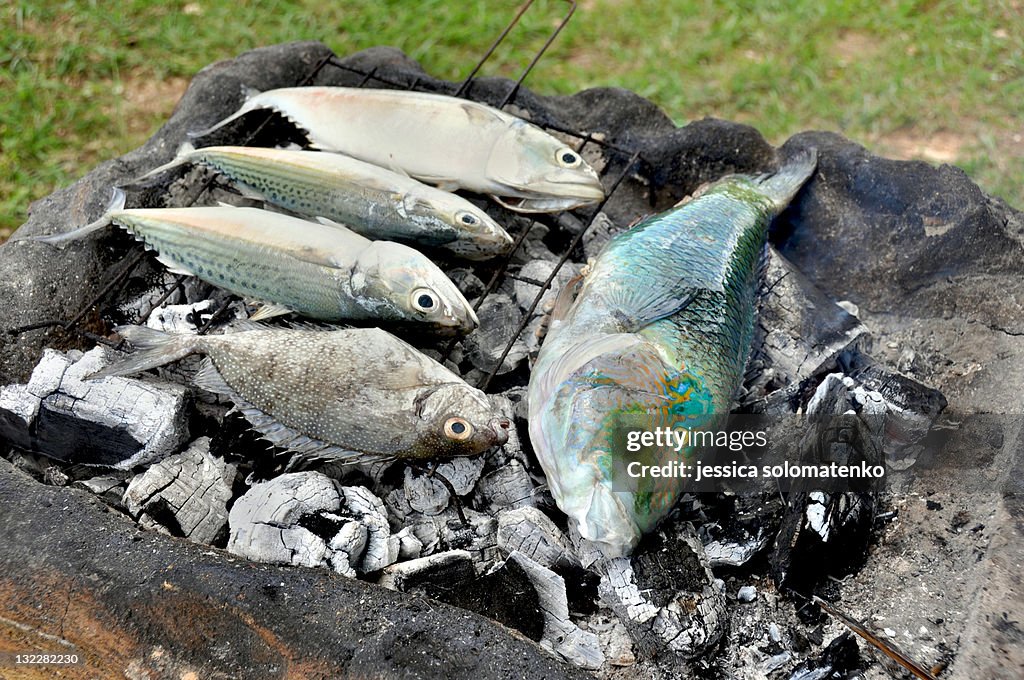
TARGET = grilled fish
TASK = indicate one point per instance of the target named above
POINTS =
(354, 395)
(449, 142)
(658, 336)
(323, 272)
(369, 200)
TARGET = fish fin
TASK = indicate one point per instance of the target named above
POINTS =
(781, 186)
(306, 449)
(328, 222)
(514, 207)
(639, 306)
(249, 192)
(565, 298)
(580, 353)
(181, 158)
(173, 266)
(117, 201)
(250, 103)
(209, 378)
(225, 204)
(269, 310)
(154, 348)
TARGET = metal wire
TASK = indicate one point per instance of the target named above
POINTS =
(500, 272)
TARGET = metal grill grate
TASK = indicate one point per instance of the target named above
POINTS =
(628, 160)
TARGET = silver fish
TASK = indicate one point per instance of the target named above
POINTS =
(323, 272)
(449, 142)
(356, 394)
(368, 199)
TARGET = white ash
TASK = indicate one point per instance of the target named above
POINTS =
(540, 270)
(561, 635)
(443, 567)
(507, 486)
(530, 532)
(271, 523)
(190, 490)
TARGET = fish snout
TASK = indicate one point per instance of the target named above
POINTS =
(500, 428)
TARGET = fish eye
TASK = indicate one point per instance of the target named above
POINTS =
(424, 300)
(568, 158)
(458, 429)
(467, 218)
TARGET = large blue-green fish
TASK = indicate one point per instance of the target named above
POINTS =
(658, 336)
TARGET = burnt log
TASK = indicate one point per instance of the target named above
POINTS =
(76, 576)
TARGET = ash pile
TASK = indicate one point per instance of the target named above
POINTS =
(873, 269)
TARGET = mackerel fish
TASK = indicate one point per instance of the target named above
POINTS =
(445, 141)
(370, 200)
(349, 395)
(658, 336)
(322, 272)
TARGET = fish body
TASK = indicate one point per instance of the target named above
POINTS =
(658, 336)
(323, 272)
(449, 142)
(356, 394)
(369, 200)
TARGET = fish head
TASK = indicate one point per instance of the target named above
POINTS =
(398, 283)
(468, 230)
(456, 419)
(542, 171)
(583, 402)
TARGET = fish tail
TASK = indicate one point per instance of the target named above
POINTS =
(116, 203)
(250, 104)
(183, 156)
(782, 185)
(154, 348)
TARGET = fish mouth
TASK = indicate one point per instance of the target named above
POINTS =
(500, 428)
(550, 195)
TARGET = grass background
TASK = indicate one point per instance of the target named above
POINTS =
(940, 81)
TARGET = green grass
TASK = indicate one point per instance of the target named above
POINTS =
(86, 81)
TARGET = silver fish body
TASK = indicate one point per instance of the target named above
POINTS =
(323, 272)
(356, 394)
(449, 142)
(369, 200)
(658, 337)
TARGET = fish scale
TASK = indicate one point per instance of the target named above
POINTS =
(658, 336)
(370, 200)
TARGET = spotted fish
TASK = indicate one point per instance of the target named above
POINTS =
(355, 394)
(445, 141)
(322, 272)
(370, 200)
(658, 336)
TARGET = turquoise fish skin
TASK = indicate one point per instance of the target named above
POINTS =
(372, 201)
(658, 336)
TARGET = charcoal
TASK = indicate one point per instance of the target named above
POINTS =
(746, 594)
(616, 645)
(841, 656)
(112, 422)
(438, 571)
(805, 331)
(185, 494)
(560, 635)
(665, 594)
(445, 531)
(426, 493)
(531, 533)
(307, 519)
(499, 320)
(508, 486)
(540, 270)
(600, 231)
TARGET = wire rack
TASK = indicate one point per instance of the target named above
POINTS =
(621, 163)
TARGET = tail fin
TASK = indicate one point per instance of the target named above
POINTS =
(154, 348)
(251, 103)
(782, 185)
(183, 156)
(116, 203)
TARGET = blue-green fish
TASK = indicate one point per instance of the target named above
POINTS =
(370, 200)
(658, 336)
